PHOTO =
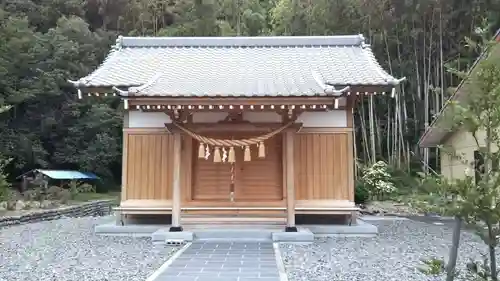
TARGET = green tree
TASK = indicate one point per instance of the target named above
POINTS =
(475, 199)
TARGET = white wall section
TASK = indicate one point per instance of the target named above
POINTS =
(334, 118)
(139, 119)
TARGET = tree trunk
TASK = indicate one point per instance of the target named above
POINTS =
(372, 130)
(455, 242)
(493, 258)
(364, 142)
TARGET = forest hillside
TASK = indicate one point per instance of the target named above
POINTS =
(45, 42)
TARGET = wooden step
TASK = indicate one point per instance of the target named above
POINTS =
(233, 220)
(236, 212)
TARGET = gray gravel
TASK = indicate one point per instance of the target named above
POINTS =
(67, 249)
(393, 255)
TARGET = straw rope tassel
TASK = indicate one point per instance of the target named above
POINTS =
(248, 156)
(217, 157)
(201, 151)
(262, 150)
(207, 152)
(231, 157)
(224, 154)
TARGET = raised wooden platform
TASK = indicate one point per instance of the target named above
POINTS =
(138, 207)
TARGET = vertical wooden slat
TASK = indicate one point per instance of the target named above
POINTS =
(157, 163)
(325, 167)
(131, 178)
(163, 167)
(350, 166)
(124, 167)
(307, 157)
(142, 154)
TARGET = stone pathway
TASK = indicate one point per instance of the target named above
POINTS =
(224, 261)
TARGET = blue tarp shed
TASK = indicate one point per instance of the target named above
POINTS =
(67, 175)
(63, 174)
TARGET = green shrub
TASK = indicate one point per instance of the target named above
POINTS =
(76, 188)
(404, 181)
(5, 187)
(64, 196)
(86, 188)
(54, 193)
(34, 194)
(378, 180)
(361, 193)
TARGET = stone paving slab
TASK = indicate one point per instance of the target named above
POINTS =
(224, 261)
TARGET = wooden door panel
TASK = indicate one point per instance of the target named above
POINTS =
(262, 178)
(211, 180)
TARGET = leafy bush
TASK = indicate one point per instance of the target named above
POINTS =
(361, 193)
(5, 186)
(64, 196)
(404, 181)
(76, 188)
(428, 183)
(433, 266)
(34, 194)
(54, 193)
(378, 180)
(86, 188)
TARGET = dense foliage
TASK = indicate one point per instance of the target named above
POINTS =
(46, 42)
(473, 199)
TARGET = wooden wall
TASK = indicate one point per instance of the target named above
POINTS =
(147, 167)
(323, 166)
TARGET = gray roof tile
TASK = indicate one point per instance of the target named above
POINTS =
(237, 66)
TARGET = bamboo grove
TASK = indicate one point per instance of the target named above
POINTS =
(45, 42)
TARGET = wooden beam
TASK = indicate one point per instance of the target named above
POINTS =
(353, 89)
(324, 130)
(232, 127)
(256, 101)
(290, 182)
(176, 188)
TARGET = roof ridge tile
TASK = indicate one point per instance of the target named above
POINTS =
(240, 41)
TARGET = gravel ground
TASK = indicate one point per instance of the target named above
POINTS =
(394, 255)
(67, 249)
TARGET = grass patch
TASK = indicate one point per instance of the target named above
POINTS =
(85, 197)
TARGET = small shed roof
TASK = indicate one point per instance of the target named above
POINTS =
(65, 174)
(237, 66)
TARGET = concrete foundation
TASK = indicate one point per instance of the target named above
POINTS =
(165, 235)
(360, 229)
(136, 230)
(303, 235)
(160, 233)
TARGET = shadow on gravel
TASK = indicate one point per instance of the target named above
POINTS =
(436, 220)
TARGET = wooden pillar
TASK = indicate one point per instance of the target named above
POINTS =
(176, 187)
(290, 182)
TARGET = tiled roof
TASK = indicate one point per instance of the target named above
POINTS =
(238, 66)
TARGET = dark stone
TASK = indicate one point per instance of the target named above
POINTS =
(431, 214)
(175, 229)
(291, 229)
(87, 209)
